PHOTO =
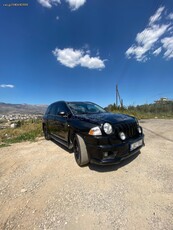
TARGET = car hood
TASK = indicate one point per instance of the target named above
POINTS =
(100, 118)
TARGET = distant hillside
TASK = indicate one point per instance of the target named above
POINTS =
(21, 109)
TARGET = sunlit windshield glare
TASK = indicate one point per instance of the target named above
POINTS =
(85, 108)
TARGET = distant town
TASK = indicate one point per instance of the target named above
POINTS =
(19, 117)
(11, 115)
(12, 120)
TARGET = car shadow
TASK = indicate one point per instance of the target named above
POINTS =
(109, 168)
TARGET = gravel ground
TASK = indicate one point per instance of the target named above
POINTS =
(41, 187)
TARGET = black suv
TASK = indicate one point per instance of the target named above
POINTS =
(94, 134)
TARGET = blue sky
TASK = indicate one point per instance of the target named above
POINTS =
(78, 50)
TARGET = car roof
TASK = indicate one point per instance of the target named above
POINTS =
(68, 102)
(79, 102)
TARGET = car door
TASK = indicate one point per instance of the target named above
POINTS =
(51, 119)
(61, 121)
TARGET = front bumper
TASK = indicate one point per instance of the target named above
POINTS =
(108, 151)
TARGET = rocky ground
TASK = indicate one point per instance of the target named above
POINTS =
(41, 187)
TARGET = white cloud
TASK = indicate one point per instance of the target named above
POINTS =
(157, 51)
(157, 16)
(136, 51)
(145, 41)
(68, 56)
(75, 4)
(91, 62)
(150, 35)
(168, 46)
(170, 16)
(150, 38)
(6, 86)
(72, 58)
(49, 3)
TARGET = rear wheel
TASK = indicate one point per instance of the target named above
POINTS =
(46, 133)
(80, 151)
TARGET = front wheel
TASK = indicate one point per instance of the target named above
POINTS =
(80, 151)
(46, 133)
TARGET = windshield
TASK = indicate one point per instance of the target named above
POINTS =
(85, 108)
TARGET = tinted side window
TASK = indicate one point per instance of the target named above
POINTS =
(54, 109)
(62, 107)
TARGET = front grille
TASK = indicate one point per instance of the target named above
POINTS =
(130, 129)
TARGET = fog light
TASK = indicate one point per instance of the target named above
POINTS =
(122, 136)
(115, 153)
(139, 130)
(105, 154)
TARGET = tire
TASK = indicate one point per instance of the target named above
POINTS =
(80, 151)
(46, 133)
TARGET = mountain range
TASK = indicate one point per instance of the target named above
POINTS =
(7, 108)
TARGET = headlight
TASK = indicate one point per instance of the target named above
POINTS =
(107, 128)
(95, 131)
(122, 136)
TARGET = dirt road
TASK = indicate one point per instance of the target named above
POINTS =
(41, 187)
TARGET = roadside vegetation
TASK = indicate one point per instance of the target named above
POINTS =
(24, 131)
(147, 111)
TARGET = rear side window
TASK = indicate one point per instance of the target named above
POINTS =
(48, 110)
(54, 109)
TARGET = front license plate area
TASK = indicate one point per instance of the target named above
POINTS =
(136, 144)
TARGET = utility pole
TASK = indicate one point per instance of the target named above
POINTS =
(118, 98)
(116, 95)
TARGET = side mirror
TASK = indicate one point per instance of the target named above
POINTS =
(62, 113)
